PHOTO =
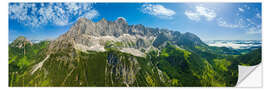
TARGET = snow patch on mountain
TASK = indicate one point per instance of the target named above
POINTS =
(133, 51)
(84, 48)
(97, 43)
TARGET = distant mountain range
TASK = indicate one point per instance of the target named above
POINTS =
(242, 46)
(235, 44)
(113, 53)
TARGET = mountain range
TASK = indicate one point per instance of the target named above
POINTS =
(114, 53)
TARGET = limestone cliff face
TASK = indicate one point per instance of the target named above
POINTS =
(86, 35)
(121, 69)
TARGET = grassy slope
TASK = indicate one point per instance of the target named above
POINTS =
(174, 67)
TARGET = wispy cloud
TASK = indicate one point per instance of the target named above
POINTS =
(254, 30)
(192, 16)
(243, 24)
(37, 14)
(241, 9)
(91, 14)
(157, 10)
(199, 12)
(251, 25)
(258, 15)
(247, 7)
(221, 22)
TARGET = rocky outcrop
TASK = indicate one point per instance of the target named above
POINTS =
(121, 69)
(20, 42)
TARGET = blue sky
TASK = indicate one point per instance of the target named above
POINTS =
(209, 21)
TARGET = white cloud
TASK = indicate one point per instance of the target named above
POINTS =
(208, 14)
(247, 7)
(241, 9)
(91, 14)
(258, 15)
(234, 45)
(192, 16)
(250, 22)
(229, 45)
(37, 14)
(221, 22)
(254, 30)
(250, 25)
(242, 24)
(157, 10)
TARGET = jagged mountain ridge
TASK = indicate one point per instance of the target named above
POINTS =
(95, 54)
(112, 40)
(134, 39)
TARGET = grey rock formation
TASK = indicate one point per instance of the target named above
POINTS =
(20, 42)
(86, 35)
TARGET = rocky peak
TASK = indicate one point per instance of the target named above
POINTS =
(191, 36)
(21, 38)
(191, 39)
(82, 19)
(20, 42)
(103, 21)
